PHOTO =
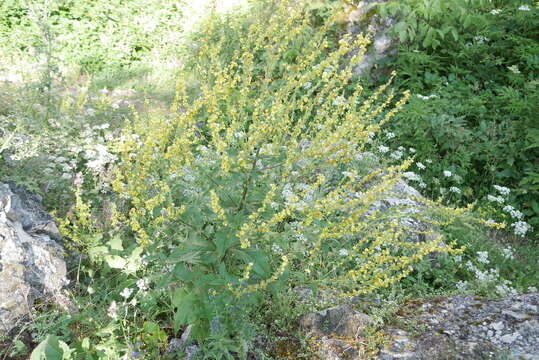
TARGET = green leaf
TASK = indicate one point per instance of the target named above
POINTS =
(97, 252)
(116, 243)
(153, 331)
(48, 349)
(223, 241)
(184, 303)
(134, 260)
(115, 261)
(535, 206)
(261, 266)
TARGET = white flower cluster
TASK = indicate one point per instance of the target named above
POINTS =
(497, 199)
(455, 190)
(396, 155)
(524, 8)
(98, 157)
(489, 275)
(481, 39)
(505, 289)
(508, 253)
(423, 97)
(343, 252)
(495, 11)
(502, 190)
(410, 175)
(482, 257)
(143, 284)
(276, 249)
(515, 214)
(521, 228)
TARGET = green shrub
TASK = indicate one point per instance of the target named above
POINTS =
(259, 184)
(474, 109)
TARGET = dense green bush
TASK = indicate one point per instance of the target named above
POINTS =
(473, 68)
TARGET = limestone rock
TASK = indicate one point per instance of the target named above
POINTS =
(336, 331)
(383, 46)
(31, 262)
(468, 327)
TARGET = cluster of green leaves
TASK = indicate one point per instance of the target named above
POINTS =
(434, 23)
(480, 118)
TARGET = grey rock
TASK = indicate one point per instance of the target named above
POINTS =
(180, 344)
(462, 329)
(31, 260)
(363, 20)
(452, 328)
(336, 331)
(341, 321)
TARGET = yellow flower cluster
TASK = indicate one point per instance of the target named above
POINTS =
(258, 148)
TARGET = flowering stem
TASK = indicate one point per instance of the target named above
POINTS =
(248, 181)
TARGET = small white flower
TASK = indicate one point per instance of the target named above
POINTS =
(126, 293)
(383, 149)
(482, 257)
(514, 69)
(521, 228)
(497, 199)
(410, 175)
(423, 97)
(532, 289)
(390, 135)
(455, 190)
(112, 311)
(508, 253)
(115, 106)
(412, 150)
(421, 166)
(515, 214)
(422, 185)
(458, 258)
(142, 284)
(307, 85)
(524, 8)
(495, 11)
(396, 155)
(339, 100)
(276, 249)
(462, 285)
(447, 173)
(343, 252)
(502, 189)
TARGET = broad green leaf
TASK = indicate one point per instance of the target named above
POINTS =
(116, 243)
(134, 260)
(48, 349)
(184, 303)
(115, 261)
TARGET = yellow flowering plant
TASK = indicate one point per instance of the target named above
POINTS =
(263, 180)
